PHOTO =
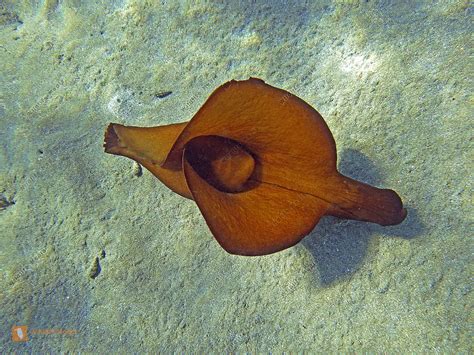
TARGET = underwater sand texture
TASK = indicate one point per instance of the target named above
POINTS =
(90, 243)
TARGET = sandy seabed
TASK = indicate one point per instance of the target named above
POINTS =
(95, 258)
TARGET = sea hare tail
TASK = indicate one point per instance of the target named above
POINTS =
(148, 146)
(111, 140)
(142, 143)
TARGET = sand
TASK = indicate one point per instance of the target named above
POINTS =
(111, 261)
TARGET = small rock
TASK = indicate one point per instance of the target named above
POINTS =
(137, 169)
(4, 202)
(95, 269)
(163, 94)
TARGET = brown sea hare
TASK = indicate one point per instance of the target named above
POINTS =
(260, 164)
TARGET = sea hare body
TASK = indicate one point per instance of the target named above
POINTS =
(260, 164)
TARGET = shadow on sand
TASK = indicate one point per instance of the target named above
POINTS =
(339, 246)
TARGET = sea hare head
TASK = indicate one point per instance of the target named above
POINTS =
(260, 164)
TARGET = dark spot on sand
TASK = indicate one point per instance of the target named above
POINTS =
(162, 94)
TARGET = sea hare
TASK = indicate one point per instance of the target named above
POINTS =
(260, 163)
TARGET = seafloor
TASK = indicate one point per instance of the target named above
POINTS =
(118, 263)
